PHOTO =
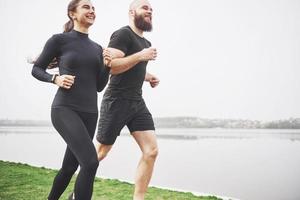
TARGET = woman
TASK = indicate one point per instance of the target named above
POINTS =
(74, 110)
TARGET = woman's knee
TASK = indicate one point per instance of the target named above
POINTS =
(91, 165)
(69, 169)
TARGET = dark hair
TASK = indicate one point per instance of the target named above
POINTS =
(67, 28)
(71, 8)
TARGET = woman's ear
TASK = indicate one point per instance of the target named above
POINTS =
(72, 15)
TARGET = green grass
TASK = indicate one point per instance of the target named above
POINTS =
(24, 182)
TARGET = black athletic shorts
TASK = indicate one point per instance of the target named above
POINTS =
(115, 113)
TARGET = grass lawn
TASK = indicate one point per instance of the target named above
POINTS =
(24, 182)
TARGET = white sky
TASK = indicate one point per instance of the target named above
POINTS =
(217, 59)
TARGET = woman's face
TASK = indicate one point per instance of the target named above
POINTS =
(85, 13)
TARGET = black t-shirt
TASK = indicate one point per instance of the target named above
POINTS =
(128, 84)
(78, 56)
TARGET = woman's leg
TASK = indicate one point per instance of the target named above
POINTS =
(77, 129)
(64, 175)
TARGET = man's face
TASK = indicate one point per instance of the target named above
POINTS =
(143, 17)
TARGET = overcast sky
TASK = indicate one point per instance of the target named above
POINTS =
(217, 59)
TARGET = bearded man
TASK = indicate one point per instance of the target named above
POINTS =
(122, 102)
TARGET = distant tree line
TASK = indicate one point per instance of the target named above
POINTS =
(189, 122)
(194, 122)
(6, 122)
(284, 124)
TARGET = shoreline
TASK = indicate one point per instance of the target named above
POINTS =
(199, 194)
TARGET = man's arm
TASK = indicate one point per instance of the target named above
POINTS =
(120, 63)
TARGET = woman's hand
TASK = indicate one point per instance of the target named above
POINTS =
(107, 57)
(64, 81)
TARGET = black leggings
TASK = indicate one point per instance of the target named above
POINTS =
(77, 129)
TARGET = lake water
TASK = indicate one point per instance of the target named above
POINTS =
(245, 164)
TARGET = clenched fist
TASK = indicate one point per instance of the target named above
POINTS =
(107, 57)
(64, 81)
(148, 54)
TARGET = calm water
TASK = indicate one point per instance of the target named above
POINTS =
(246, 164)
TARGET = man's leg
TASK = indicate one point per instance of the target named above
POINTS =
(110, 124)
(148, 145)
(102, 150)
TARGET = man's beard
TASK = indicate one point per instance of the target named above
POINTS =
(140, 23)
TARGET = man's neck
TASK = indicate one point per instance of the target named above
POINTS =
(138, 31)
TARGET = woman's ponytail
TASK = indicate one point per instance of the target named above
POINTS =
(68, 26)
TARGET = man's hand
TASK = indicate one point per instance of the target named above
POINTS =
(153, 80)
(148, 54)
(107, 57)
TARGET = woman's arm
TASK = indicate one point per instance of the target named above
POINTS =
(49, 52)
(103, 79)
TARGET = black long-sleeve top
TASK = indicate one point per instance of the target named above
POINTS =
(81, 57)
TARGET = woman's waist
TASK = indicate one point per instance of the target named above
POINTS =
(79, 97)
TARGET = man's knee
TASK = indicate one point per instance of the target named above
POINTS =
(151, 153)
(102, 151)
(102, 155)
